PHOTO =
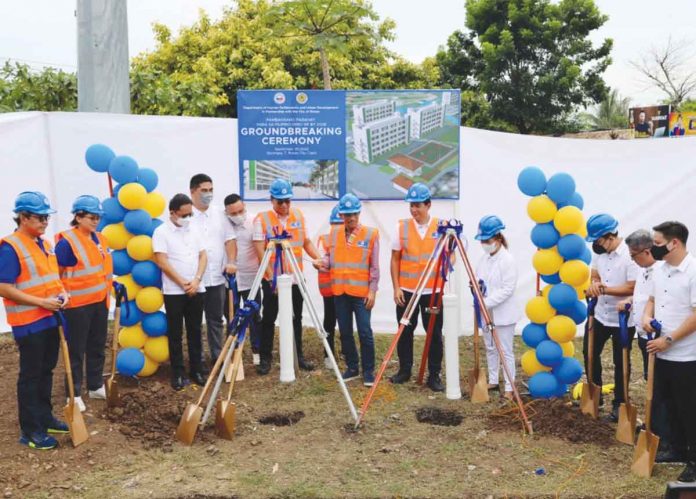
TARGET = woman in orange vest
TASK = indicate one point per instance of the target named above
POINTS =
(32, 292)
(324, 278)
(85, 270)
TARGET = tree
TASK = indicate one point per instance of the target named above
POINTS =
(612, 112)
(531, 59)
(22, 89)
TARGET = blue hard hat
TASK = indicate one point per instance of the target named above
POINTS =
(335, 218)
(489, 226)
(418, 193)
(281, 189)
(348, 204)
(33, 202)
(600, 225)
(87, 203)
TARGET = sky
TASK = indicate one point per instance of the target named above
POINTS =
(44, 32)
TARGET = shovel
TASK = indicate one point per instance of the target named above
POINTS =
(233, 302)
(73, 416)
(225, 410)
(112, 396)
(648, 442)
(589, 401)
(626, 429)
(478, 382)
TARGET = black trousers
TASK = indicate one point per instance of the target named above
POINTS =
(87, 327)
(602, 334)
(185, 309)
(675, 382)
(38, 355)
(270, 313)
(214, 308)
(405, 345)
(330, 321)
(255, 327)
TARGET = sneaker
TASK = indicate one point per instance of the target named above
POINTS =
(79, 403)
(57, 427)
(38, 440)
(255, 359)
(264, 367)
(613, 416)
(328, 364)
(368, 379)
(435, 383)
(98, 394)
(400, 377)
(350, 374)
(305, 365)
(670, 455)
(689, 473)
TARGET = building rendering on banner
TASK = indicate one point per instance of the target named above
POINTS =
(260, 174)
(366, 113)
(426, 119)
(325, 178)
(451, 101)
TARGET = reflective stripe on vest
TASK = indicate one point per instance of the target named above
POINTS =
(415, 253)
(350, 263)
(294, 227)
(324, 278)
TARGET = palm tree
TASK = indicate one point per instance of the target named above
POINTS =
(612, 112)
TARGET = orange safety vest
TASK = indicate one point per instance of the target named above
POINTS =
(350, 260)
(38, 276)
(90, 280)
(415, 252)
(324, 277)
(295, 226)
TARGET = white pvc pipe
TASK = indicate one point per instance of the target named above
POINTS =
(286, 342)
(450, 323)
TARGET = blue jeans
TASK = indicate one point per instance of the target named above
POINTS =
(346, 306)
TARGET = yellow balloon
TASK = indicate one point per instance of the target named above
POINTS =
(530, 364)
(568, 349)
(583, 231)
(149, 300)
(157, 349)
(568, 220)
(546, 290)
(149, 368)
(116, 235)
(547, 261)
(132, 196)
(140, 248)
(132, 287)
(539, 310)
(574, 272)
(561, 329)
(132, 337)
(580, 290)
(541, 209)
(154, 204)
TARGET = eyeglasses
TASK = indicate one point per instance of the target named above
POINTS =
(281, 201)
(634, 255)
(40, 218)
(93, 217)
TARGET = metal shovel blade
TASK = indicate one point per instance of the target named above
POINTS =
(76, 424)
(589, 401)
(478, 386)
(644, 454)
(626, 429)
(186, 431)
(225, 413)
(113, 398)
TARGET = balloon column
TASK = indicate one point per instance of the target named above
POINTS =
(562, 261)
(130, 218)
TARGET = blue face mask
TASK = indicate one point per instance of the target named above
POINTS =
(206, 198)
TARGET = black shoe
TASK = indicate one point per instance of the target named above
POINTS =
(400, 377)
(435, 383)
(264, 367)
(613, 416)
(670, 456)
(304, 364)
(689, 473)
(198, 378)
(179, 382)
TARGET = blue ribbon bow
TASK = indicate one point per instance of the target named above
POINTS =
(278, 263)
(232, 286)
(121, 295)
(63, 322)
(657, 326)
(623, 325)
(477, 305)
(242, 319)
(444, 225)
(591, 304)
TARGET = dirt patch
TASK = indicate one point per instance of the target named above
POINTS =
(282, 418)
(557, 418)
(439, 417)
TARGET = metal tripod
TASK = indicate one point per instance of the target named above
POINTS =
(450, 232)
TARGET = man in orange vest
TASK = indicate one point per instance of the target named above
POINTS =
(281, 218)
(32, 293)
(324, 278)
(354, 265)
(411, 250)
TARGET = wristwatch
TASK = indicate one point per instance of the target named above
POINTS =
(669, 340)
(199, 277)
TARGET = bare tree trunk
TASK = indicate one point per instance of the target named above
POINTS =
(325, 69)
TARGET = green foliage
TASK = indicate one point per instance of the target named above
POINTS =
(612, 112)
(688, 106)
(22, 89)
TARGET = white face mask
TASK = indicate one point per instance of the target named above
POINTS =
(489, 248)
(183, 222)
(206, 198)
(237, 219)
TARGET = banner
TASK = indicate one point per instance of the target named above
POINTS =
(375, 144)
(681, 124)
(648, 122)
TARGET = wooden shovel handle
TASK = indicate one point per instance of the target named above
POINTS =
(216, 368)
(590, 349)
(649, 391)
(114, 342)
(68, 368)
(477, 353)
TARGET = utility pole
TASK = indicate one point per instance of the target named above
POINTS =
(102, 56)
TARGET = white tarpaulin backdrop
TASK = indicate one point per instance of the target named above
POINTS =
(641, 182)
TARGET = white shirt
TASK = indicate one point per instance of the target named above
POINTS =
(182, 247)
(247, 260)
(212, 229)
(641, 294)
(499, 273)
(615, 269)
(674, 291)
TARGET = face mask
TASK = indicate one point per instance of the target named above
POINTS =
(489, 248)
(659, 252)
(237, 219)
(598, 248)
(183, 222)
(206, 198)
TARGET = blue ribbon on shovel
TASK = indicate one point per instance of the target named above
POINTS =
(623, 325)
(278, 264)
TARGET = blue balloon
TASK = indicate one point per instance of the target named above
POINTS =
(137, 222)
(98, 157)
(577, 200)
(130, 361)
(123, 169)
(549, 353)
(130, 313)
(568, 371)
(562, 297)
(156, 222)
(533, 334)
(551, 279)
(586, 255)
(562, 390)
(147, 273)
(545, 236)
(578, 313)
(102, 223)
(123, 264)
(117, 188)
(571, 247)
(560, 187)
(155, 324)
(543, 385)
(147, 177)
(113, 211)
(532, 181)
